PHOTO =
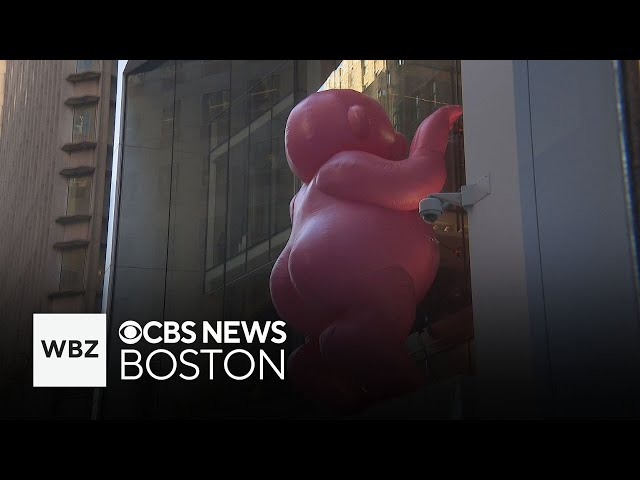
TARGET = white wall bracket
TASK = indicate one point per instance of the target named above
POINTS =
(468, 194)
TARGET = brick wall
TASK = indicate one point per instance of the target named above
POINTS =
(28, 150)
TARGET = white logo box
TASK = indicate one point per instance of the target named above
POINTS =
(76, 344)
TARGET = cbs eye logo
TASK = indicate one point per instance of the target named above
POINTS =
(130, 332)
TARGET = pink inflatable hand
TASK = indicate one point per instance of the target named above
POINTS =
(433, 133)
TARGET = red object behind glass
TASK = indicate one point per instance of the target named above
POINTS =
(359, 257)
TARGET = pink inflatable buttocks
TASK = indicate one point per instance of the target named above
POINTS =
(359, 257)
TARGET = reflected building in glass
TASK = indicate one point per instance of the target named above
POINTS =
(203, 212)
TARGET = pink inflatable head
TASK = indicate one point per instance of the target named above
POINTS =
(333, 121)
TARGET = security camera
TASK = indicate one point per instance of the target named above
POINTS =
(431, 208)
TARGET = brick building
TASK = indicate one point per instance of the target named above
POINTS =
(56, 144)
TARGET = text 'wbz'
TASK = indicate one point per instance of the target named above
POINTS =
(237, 364)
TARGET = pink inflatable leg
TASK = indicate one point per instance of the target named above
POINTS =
(311, 375)
(305, 366)
(367, 344)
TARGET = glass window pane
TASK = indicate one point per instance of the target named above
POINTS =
(79, 196)
(148, 120)
(216, 222)
(84, 129)
(239, 114)
(72, 272)
(248, 298)
(184, 300)
(168, 76)
(282, 177)
(215, 116)
(190, 169)
(87, 66)
(213, 104)
(237, 215)
(245, 74)
(144, 213)
(260, 98)
(259, 208)
(281, 81)
(170, 115)
(210, 80)
(216, 232)
(251, 90)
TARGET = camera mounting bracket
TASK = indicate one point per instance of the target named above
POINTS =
(468, 194)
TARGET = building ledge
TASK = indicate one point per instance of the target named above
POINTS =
(65, 293)
(82, 171)
(84, 100)
(69, 219)
(83, 76)
(71, 244)
(77, 146)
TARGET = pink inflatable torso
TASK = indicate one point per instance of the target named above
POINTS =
(359, 256)
(335, 243)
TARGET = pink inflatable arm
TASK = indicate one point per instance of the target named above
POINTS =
(395, 185)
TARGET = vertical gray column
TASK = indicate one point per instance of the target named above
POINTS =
(509, 351)
(555, 305)
(590, 298)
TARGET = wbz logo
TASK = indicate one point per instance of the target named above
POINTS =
(75, 348)
(69, 350)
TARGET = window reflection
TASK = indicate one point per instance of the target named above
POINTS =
(260, 97)
(79, 196)
(249, 118)
(259, 191)
(216, 99)
(282, 81)
(213, 104)
(149, 108)
(237, 206)
(72, 272)
(284, 185)
(84, 128)
(216, 232)
(87, 66)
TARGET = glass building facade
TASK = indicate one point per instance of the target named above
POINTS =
(203, 211)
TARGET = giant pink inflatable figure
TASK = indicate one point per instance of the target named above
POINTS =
(359, 257)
